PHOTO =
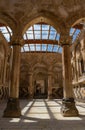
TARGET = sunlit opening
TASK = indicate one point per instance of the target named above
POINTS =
(43, 36)
(7, 32)
(74, 33)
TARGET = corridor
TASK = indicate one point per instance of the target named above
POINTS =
(42, 114)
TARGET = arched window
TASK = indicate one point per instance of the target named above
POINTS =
(41, 37)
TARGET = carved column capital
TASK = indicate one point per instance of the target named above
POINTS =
(66, 41)
(64, 35)
(17, 40)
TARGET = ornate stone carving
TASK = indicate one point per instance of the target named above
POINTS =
(17, 41)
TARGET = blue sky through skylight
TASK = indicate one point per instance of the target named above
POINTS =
(74, 33)
(42, 32)
(41, 47)
(7, 32)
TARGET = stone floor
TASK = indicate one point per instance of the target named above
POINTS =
(42, 114)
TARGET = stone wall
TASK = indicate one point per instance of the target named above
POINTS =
(78, 67)
(5, 60)
(79, 92)
(4, 93)
(40, 64)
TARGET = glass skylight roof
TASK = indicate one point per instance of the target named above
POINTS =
(41, 47)
(74, 33)
(41, 33)
(7, 32)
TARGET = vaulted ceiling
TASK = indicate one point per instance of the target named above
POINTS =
(66, 12)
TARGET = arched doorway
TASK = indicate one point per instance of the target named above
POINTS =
(40, 85)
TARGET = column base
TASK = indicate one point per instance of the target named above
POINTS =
(50, 96)
(31, 96)
(13, 108)
(68, 108)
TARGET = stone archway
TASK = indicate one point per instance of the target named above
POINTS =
(40, 85)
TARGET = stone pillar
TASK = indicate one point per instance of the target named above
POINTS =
(31, 89)
(68, 105)
(13, 108)
(76, 73)
(50, 85)
(73, 60)
(4, 75)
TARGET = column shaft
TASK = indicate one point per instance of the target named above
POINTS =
(31, 91)
(49, 86)
(67, 74)
(13, 107)
(68, 105)
(14, 88)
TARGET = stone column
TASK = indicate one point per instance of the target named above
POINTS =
(73, 59)
(31, 89)
(76, 73)
(68, 105)
(13, 108)
(5, 67)
(49, 85)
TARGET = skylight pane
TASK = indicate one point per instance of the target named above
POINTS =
(37, 32)
(50, 47)
(55, 48)
(7, 36)
(37, 27)
(45, 27)
(74, 37)
(44, 46)
(72, 31)
(44, 36)
(26, 45)
(58, 37)
(6, 31)
(26, 48)
(30, 36)
(3, 29)
(53, 32)
(22, 50)
(44, 32)
(77, 31)
(51, 37)
(37, 47)
(75, 34)
(32, 47)
(52, 29)
(29, 32)
(24, 36)
(60, 49)
(37, 36)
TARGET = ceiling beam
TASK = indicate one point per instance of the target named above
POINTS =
(37, 41)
